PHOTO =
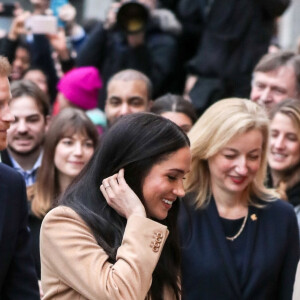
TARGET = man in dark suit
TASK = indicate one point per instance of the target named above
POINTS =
(17, 274)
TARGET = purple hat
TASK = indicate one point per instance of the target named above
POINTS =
(81, 87)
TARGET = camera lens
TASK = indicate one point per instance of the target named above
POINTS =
(132, 17)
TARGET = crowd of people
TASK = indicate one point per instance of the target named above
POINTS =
(152, 158)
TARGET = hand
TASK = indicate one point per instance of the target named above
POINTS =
(17, 27)
(121, 197)
(67, 13)
(59, 43)
(189, 84)
(110, 20)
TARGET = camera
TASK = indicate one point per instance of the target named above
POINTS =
(132, 17)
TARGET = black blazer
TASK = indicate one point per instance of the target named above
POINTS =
(5, 158)
(270, 255)
(18, 279)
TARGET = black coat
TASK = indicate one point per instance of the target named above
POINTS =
(109, 52)
(5, 158)
(234, 35)
(18, 279)
(269, 256)
(34, 224)
(293, 194)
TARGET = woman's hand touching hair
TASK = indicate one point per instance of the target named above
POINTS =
(121, 197)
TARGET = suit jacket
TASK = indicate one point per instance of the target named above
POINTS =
(17, 274)
(269, 262)
(5, 158)
(75, 267)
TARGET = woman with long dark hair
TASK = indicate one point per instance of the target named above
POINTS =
(111, 243)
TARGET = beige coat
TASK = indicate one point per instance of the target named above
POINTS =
(296, 293)
(75, 267)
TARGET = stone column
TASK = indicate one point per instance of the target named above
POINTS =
(289, 30)
(96, 9)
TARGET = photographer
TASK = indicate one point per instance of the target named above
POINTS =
(144, 45)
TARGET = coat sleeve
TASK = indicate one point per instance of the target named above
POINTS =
(21, 281)
(71, 257)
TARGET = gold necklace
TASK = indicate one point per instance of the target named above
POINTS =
(232, 238)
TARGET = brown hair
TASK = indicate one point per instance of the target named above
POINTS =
(67, 122)
(273, 61)
(28, 88)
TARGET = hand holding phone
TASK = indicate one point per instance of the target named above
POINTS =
(41, 24)
(17, 27)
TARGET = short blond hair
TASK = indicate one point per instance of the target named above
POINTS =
(5, 67)
(223, 121)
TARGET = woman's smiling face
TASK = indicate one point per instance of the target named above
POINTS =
(234, 167)
(284, 148)
(164, 183)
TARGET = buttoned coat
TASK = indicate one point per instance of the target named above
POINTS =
(18, 280)
(270, 254)
(75, 267)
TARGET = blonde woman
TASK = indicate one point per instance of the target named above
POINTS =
(244, 242)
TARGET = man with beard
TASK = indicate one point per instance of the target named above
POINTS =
(128, 91)
(30, 106)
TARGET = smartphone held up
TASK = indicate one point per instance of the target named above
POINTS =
(41, 24)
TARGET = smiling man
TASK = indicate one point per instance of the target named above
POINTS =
(128, 92)
(276, 77)
(18, 280)
(30, 107)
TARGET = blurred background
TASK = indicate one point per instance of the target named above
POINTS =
(288, 24)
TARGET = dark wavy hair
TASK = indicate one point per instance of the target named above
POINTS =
(136, 143)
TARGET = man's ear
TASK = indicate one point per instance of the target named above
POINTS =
(150, 103)
(47, 122)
